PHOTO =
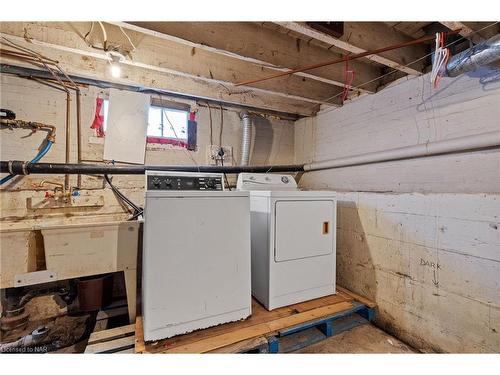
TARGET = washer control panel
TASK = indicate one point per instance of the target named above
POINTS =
(183, 181)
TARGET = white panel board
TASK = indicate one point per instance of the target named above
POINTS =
(127, 126)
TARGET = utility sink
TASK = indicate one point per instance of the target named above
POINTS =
(58, 250)
(69, 248)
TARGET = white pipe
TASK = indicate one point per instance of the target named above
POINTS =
(474, 142)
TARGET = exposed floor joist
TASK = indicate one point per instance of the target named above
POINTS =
(346, 46)
(93, 65)
(465, 30)
(134, 27)
(251, 42)
(157, 56)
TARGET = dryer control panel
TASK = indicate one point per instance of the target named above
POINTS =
(265, 181)
(183, 181)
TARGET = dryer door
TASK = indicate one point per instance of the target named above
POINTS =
(303, 229)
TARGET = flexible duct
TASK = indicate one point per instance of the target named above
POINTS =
(246, 137)
(468, 143)
(475, 57)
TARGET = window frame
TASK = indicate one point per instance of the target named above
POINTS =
(152, 139)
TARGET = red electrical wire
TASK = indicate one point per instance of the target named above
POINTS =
(348, 79)
(442, 37)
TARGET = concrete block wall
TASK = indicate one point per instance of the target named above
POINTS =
(273, 143)
(421, 237)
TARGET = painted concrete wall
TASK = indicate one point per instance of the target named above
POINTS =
(411, 112)
(421, 236)
(273, 142)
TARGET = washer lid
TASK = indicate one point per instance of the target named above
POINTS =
(265, 181)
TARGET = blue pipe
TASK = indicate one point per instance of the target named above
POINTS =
(36, 159)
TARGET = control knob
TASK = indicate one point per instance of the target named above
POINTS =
(156, 182)
(210, 183)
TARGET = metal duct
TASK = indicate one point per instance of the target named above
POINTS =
(475, 57)
(246, 137)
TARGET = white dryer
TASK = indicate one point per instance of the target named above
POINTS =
(293, 240)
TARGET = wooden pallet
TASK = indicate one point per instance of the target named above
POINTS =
(265, 330)
(114, 310)
(115, 340)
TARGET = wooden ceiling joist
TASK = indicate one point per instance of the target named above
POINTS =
(262, 46)
(134, 27)
(86, 62)
(465, 30)
(171, 58)
(352, 31)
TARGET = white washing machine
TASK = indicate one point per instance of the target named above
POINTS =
(196, 254)
(293, 240)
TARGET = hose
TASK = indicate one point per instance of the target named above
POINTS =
(137, 210)
(36, 159)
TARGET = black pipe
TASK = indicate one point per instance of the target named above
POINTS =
(21, 167)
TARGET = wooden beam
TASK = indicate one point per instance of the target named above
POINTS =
(465, 30)
(254, 43)
(357, 39)
(94, 66)
(170, 58)
(137, 26)
(155, 54)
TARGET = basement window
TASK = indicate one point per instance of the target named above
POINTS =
(168, 126)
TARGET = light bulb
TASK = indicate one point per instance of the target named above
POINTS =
(116, 71)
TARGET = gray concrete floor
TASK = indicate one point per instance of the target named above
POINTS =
(362, 339)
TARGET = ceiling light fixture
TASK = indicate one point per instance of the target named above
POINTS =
(115, 58)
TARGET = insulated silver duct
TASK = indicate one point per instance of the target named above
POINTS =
(246, 137)
(479, 55)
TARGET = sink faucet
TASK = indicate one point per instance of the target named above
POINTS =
(65, 195)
